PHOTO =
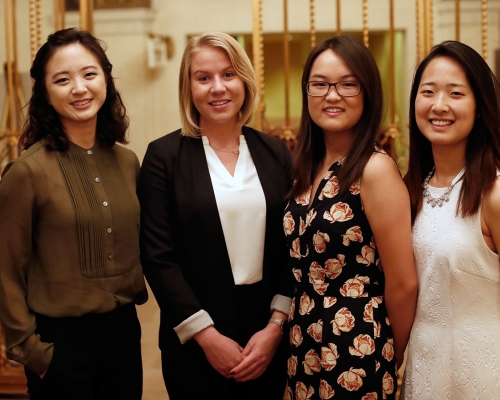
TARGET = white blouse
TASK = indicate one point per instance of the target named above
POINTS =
(242, 210)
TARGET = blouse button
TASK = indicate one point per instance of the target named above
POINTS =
(105, 203)
(97, 180)
(89, 151)
(109, 230)
(110, 256)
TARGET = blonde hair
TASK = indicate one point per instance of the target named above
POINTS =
(242, 66)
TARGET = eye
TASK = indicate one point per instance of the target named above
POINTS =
(62, 80)
(318, 84)
(426, 91)
(349, 84)
(457, 94)
(90, 74)
(203, 78)
(229, 74)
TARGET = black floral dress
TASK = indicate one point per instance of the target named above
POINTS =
(342, 344)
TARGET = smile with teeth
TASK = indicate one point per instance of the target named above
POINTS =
(440, 122)
(333, 110)
(81, 102)
(219, 103)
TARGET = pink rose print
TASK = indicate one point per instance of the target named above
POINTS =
(352, 379)
(329, 301)
(304, 198)
(288, 223)
(320, 240)
(310, 216)
(368, 314)
(306, 304)
(296, 336)
(333, 266)
(331, 188)
(344, 321)
(370, 396)
(302, 392)
(315, 330)
(355, 188)
(288, 393)
(364, 345)
(302, 226)
(295, 250)
(327, 175)
(387, 321)
(329, 357)
(353, 234)
(317, 278)
(311, 362)
(377, 365)
(388, 350)
(367, 256)
(292, 310)
(297, 273)
(340, 212)
(292, 366)
(387, 385)
(325, 390)
(355, 287)
(372, 243)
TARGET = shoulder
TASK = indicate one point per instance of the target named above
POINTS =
(260, 141)
(31, 159)
(380, 165)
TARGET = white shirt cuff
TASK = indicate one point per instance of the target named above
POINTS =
(281, 303)
(192, 325)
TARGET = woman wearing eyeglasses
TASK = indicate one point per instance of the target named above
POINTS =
(349, 234)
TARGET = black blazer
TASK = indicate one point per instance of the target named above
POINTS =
(183, 251)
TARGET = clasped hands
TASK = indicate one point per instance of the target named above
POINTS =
(233, 361)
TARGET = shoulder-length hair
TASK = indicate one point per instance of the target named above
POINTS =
(43, 121)
(310, 149)
(242, 66)
(482, 154)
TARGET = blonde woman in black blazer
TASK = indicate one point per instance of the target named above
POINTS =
(213, 249)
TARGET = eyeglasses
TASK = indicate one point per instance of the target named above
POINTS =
(344, 89)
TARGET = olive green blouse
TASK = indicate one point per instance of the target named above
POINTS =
(69, 241)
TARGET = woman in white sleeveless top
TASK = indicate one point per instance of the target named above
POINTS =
(454, 348)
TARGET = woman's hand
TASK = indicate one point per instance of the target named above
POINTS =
(222, 353)
(258, 353)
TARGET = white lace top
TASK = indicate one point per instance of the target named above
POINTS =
(454, 348)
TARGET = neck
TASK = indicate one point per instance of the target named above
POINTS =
(448, 164)
(336, 147)
(222, 136)
(83, 135)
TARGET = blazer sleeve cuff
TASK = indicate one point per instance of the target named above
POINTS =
(281, 303)
(192, 325)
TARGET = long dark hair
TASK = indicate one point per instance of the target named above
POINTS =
(310, 149)
(43, 121)
(482, 154)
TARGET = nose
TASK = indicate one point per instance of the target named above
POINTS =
(332, 94)
(218, 85)
(79, 86)
(440, 104)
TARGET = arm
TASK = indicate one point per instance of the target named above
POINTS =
(490, 215)
(17, 203)
(387, 207)
(162, 269)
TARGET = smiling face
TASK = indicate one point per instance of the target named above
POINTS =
(333, 113)
(218, 92)
(76, 87)
(445, 106)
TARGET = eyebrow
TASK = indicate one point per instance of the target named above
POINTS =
(453, 84)
(204, 71)
(67, 72)
(319, 76)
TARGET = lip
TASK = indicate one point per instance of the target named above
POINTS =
(81, 103)
(440, 123)
(219, 103)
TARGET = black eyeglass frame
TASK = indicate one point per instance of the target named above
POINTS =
(334, 84)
